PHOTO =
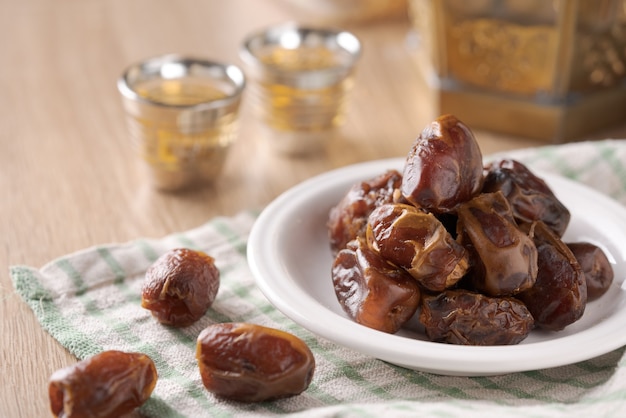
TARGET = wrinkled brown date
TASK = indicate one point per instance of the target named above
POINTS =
(444, 166)
(180, 286)
(107, 385)
(348, 219)
(596, 267)
(559, 295)
(505, 258)
(372, 291)
(252, 363)
(419, 243)
(530, 196)
(468, 318)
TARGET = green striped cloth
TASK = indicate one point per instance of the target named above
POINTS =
(90, 301)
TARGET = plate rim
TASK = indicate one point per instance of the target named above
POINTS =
(461, 360)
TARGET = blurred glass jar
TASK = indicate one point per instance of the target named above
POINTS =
(544, 69)
(347, 11)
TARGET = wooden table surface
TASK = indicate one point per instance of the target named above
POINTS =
(69, 179)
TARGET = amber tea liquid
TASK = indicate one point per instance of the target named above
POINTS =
(286, 107)
(181, 145)
(181, 91)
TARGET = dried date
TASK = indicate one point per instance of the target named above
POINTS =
(596, 268)
(505, 258)
(419, 243)
(444, 166)
(469, 318)
(372, 291)
(559, 295)
(180, 286)
(252, 363)
(348, 219)
(107, 385)
(530, 197)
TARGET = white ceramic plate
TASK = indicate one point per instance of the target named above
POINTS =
(289, 255)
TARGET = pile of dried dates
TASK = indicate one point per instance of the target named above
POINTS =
(474, 250)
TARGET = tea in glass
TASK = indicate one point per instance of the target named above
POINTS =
(302, 77)
(182, 116)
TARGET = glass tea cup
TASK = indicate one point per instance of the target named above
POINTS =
(182, 115)
(300, 80)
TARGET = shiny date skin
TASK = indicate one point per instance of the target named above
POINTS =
(559, 296)
(419, 243)
(107, 385)
(372, 291)
(180, 286)
(468, 318)
(252, 363)
(530, 197)
(444, 166)
(348, 219)
(504, 258)
(596, 267)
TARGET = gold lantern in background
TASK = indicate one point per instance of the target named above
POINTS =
(546, 69)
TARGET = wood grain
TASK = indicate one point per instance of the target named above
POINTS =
(69, 179)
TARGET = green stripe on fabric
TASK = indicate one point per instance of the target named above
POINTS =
(590, 164)
(147, 250)
(120, 275)
(115, 267)
(50, 317)
(517, 393)
(540, 376)
(186, 242)
(317, 393)
(551, 153)
(608, 154)
(596, 374)
(224, 229)
(79, 285)
(157, 407)
(239, 243)
(425, 380)
(27, 285)
(217, 316)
